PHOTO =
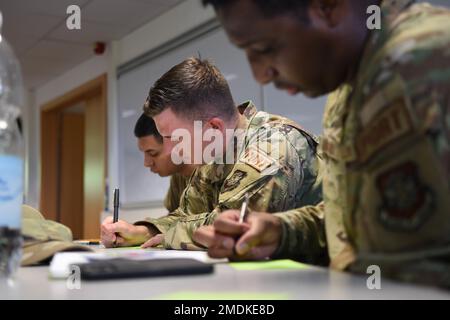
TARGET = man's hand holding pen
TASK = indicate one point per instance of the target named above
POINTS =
(256, 237)
(124, 234)
(119, 233)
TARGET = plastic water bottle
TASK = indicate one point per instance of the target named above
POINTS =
(11, 160)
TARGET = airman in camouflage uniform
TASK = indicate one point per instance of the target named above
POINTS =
(268, 158)
(386, 147)
(214, 187)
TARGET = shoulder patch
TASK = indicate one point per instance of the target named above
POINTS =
(257, 159)
(232, 182)
(406, 201)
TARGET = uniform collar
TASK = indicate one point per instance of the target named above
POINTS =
(247, 109)
(247, 112)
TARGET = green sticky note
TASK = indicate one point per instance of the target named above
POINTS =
(269, 265)
(223, 295)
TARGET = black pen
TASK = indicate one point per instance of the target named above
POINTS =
(116, 206)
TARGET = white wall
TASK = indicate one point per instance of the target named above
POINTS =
(178, 20)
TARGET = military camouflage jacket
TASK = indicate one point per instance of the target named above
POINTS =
(177, 185)
(386, 146)
(273, 183)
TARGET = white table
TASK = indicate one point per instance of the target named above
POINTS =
(309, 283)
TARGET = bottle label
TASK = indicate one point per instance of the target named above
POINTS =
(11, 191)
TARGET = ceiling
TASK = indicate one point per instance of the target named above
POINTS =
(36, 29)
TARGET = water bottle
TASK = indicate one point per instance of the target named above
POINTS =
(11, 160)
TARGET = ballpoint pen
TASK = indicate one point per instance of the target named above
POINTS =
(244, 209)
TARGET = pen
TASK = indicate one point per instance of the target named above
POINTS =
(243, 209)
(116, 206)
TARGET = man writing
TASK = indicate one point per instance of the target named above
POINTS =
(275, 163)
(386, 141)
(149, 142)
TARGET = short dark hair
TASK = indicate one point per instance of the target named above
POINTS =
(269, 8)
(145, 126)
(194, 89)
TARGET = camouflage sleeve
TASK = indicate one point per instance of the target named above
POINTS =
(303, 236)
(177, 185)
(274, 181)
(162, 224)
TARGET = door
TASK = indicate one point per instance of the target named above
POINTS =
(73, 158)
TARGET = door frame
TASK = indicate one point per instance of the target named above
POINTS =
(93, 90)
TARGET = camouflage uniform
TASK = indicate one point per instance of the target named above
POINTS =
(292, 179)
(386, 147)
(177, 185)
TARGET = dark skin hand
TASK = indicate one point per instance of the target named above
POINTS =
(257, 238)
